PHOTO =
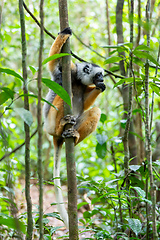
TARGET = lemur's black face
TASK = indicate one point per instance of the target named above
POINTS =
(98, 78)
(89, 73)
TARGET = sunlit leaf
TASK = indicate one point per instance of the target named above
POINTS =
(135, 225)
(11, 72)
(33, 69)
(55, 56)
(112, 59)
(134, 167)
(81, 204)
(143, 47)
(9, 92)
(140, 191)
(57, 89)
(11, 223)
(25, 115)
(3, 97)
(155, 88)
(145, 55)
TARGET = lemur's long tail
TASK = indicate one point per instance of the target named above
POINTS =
(57, 183)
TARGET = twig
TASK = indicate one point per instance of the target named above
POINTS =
(88, 46)
(17, 148)
(152, 106)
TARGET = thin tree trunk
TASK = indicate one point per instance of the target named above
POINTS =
(39, 119)
(108, 27)
(147, 133)
(26, 127)
(71, 168)
(131, 149)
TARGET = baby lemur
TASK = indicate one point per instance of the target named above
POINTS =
(87, 84)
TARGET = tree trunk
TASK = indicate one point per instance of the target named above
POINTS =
(71, 167)
(39, 120)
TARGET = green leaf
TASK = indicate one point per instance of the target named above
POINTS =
(145, 55)
(112, 59)
(11, 72)
(101, 150)
(157, 162)
(33, 69)
(54, 215)
(134, 167)
(3, 97)
(11, 223)
(55, 56)
(25, 115)
(103, 118)
(9, 92)
(59, 90)
(140, 192)
(110, 46)
(135, 225)
(155, 88)
(120, 82)
(81, 204)
(143, 47)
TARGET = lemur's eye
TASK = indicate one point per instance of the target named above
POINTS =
(86, 69)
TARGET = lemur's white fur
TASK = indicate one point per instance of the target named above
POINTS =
(87, 79)
(57, 185)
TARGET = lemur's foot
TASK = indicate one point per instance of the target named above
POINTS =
(70, 133)
(68, 119)
(66, 31)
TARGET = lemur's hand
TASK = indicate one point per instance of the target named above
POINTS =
(66, 31)
(101, 86)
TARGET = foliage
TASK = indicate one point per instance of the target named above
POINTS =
(116, 210)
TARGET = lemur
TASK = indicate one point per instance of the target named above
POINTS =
(87, 84)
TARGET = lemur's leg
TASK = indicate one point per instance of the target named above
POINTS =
(52, 121)
(87, 123)
(57, 46)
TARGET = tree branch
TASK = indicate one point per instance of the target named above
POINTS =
(17, 148)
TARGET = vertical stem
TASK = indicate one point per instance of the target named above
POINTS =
(119, 194)
(71, 167)
(139, 23)
(108, 27)
(152, 106)
(129, 115)
(39, 119)
(26, 127)
(147, 131)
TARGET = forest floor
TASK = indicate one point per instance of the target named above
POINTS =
(49, 198)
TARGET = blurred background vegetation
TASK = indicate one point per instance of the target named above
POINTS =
(100, 157)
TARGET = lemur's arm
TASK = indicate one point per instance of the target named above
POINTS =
(90, 96)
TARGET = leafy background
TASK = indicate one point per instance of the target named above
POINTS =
(99, 158)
